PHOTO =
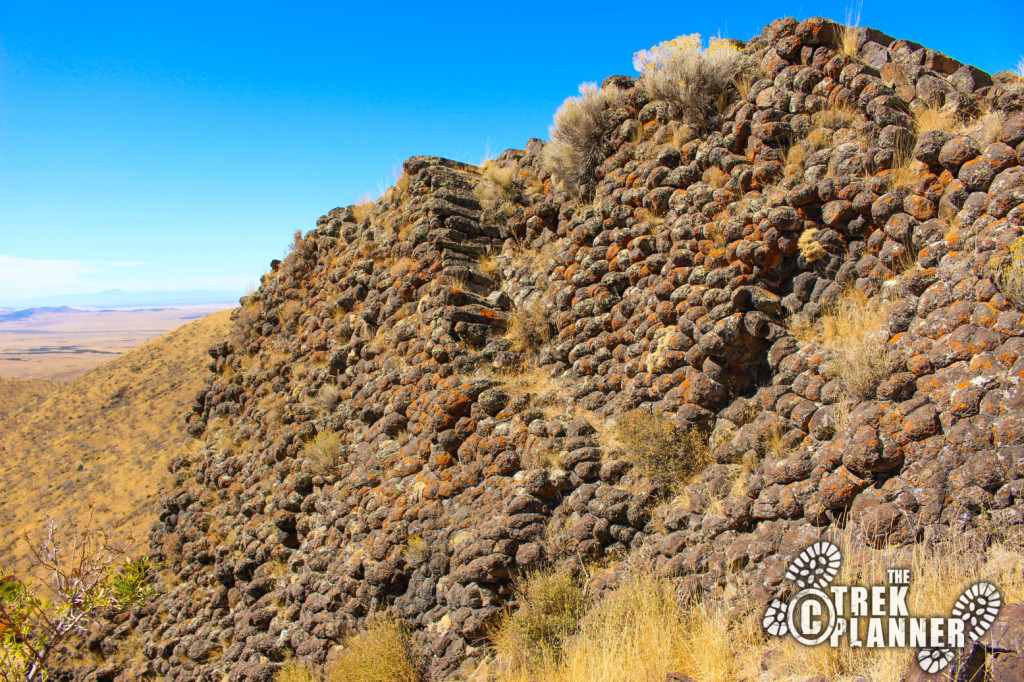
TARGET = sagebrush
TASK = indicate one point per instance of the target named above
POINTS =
(696, 79)
(579, 138)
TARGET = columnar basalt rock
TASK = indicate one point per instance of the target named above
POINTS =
(672, 289)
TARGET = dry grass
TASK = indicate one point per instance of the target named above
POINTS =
(743, 84)
(713, 231)
(648, 216)
(853, 332)
(457, 282)
(534, 636)
(402, 266)
(809, 247)
(847, 38)
(534, 186)
(99, 445)
(795, 158)
(490, 266)
(328, 396)
(401, 181)
(936, 118)
(985, 127)
(547, 458)
(577, 144)
(817, 139)
(839, 116)
(716, 177)
(324, 451)
(640, 134)
(529, 328)
(535, 382)
(290, 311)
(662, 451)
(640, 632)
(497, 190)
(637, 632)
(294, 671)
(681, 134)
(905, 171)
(937, 578)
(363, 208)
(379, 654)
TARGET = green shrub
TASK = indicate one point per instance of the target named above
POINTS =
(86, 587)
(696, 79)
(663, 452)
(578, 138)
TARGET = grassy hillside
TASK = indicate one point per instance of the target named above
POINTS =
(97, 447)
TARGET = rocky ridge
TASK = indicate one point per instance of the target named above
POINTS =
(672, 287)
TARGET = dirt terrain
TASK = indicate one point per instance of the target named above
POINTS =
(97, 446)
(59, 345)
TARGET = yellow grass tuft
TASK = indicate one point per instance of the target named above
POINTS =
(905, 171)
(295, 671)
(817, 139)
(853, 333)
(363, 208)
(490, 266)
(716, 177)
(837, 116)
(497, 190)
(379, 654)
(936, 118)
(324, 451)
(847, 37)
(795, 159)
(682, 133)
(809, 247)
(637, 632)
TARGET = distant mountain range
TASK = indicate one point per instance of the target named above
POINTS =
(116, 298)
(7, 315)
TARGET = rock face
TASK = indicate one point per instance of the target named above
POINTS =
(670, 290)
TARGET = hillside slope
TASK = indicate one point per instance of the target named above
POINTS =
(98, 446)
(700, 329)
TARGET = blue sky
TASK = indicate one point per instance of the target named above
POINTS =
(179, 145)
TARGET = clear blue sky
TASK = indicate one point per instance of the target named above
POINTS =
(159, 145)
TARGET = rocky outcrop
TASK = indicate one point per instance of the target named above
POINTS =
(672, 289)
